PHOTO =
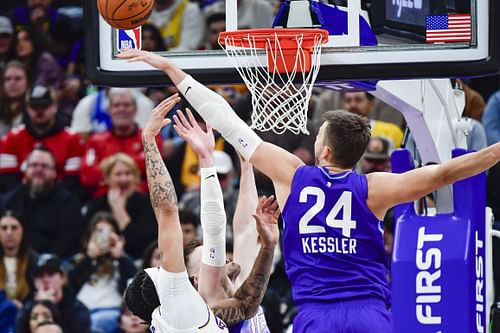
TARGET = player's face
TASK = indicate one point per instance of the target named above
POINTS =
(121, 177)
(41, 169)
(24, 44)
(11, 234)
(38, 315)
(130, 323)
(15, 83)
(358, 103)
(122, 110)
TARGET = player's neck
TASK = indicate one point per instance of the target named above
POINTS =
(334, 169)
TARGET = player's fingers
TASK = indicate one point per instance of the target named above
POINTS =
(165, 122)
(184, 120)
(178, 123)
(180, 130)
(191, 117)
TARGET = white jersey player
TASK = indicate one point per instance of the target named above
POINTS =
(164, 296)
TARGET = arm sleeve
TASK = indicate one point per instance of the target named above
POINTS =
(218, 113)
(213, 219)
(182, 307)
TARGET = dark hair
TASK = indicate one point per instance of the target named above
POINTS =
(215, 17)
(186, 216)
(105, 263)
(24, 246)
(148, 253)
(369, 96)
(160, 43)
(189, 248)
(347, 135)
(141, 297)
(38, 50)
(23, 324)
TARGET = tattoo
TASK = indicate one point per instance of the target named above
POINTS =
(161, 187)
(249, 296)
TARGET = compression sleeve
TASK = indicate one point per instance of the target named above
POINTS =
(213, 219)
(218, 113)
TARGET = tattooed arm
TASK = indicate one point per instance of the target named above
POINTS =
(247, 298)
(161, 190)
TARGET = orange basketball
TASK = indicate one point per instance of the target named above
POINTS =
(125, 14)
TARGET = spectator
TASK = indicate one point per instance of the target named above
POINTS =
(51, 285)
(130, 208)
(52, 213)
(7, 49)
(474, 102)
(130, 323)
(377, 156)
(38, 312)
(17, 260)
(151, 256)
(55, 29)
(13, 91)
(491, 119)
(42, 67)
(189, 225)
(48, 327)
(181, 24)
(151, 38)
(363, 104)
(251, 13)
(101, 272)
(216, 23)
(41, 127)
(91, 113)
(124, 136)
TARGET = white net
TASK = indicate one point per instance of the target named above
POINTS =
(280, 100)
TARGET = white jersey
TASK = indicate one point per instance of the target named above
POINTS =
(212, 324)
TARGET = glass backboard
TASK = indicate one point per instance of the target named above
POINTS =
(369, 40)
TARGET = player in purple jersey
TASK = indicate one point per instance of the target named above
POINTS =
(163, 296)
(341, 210)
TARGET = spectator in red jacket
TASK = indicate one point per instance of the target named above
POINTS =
(124, 136)
(41, 128)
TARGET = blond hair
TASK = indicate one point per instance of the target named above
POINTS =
(107, 165)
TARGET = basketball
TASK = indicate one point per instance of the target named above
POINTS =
(125, 14)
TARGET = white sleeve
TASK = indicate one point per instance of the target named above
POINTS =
(182, 308)
(218, 113)
(213, 219)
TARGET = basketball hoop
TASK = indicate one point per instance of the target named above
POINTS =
(281, 88)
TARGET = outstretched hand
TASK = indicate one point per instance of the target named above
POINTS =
(157, 118)
(266, 216)
(133, 55)
(202, 142)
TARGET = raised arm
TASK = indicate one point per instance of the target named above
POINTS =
(219, 114)
(212, 213)
(247, 299)
(244, 229)
(161, 190)
(386, 190)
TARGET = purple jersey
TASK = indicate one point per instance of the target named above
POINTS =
(332, 243)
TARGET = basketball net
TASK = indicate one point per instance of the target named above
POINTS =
(282, 86)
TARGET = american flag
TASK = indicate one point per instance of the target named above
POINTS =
(448, 28)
